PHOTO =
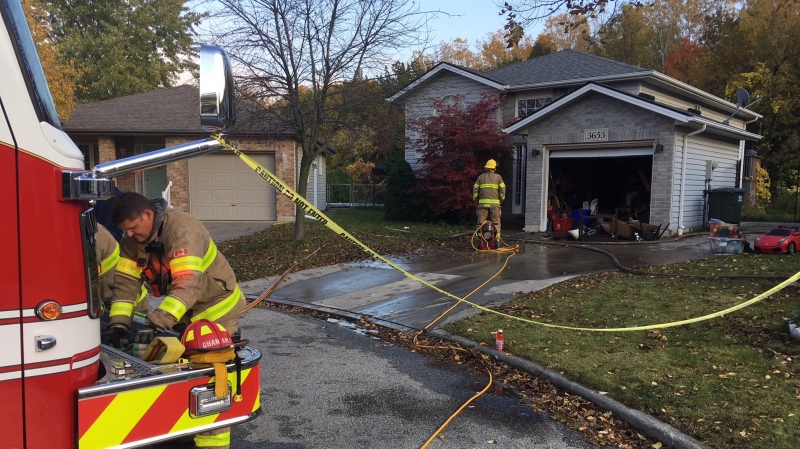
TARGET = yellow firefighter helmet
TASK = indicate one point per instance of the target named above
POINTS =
(491, 164)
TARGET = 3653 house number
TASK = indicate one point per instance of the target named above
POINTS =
(595, 135)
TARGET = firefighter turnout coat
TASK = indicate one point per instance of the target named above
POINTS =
(489, 189)
(107, 251)
(182, 259)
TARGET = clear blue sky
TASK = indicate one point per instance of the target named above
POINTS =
(469, 19)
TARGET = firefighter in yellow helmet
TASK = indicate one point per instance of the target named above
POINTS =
(489, 192)
(172, 252)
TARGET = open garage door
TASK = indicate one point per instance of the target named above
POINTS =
(223, 188)
(619, 178)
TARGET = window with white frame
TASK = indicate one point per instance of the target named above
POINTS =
(530, 105)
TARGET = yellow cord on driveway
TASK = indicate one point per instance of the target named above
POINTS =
(458, 348)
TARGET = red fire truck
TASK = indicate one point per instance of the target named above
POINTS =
(60, 387)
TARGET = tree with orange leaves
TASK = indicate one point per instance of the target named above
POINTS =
(59, 72)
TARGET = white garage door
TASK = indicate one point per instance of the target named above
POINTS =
(223, 188)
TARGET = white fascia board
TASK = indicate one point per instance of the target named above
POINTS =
(740, 133)
(435, 71)
(563, 101)
(701, 93)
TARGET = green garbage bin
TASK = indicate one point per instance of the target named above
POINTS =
(726, 204)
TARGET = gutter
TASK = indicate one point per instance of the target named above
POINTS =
(683, 176)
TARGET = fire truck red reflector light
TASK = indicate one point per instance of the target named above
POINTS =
(48, 310)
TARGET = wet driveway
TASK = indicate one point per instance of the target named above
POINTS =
(373, 288)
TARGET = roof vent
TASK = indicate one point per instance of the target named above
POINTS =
(647, 96)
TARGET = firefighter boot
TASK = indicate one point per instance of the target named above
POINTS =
(217, 439)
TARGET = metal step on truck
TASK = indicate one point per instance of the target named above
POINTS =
(60, 387)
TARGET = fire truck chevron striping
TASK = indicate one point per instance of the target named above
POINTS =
(134, 417)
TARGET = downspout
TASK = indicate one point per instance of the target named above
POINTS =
(741, 155)
(683, 176)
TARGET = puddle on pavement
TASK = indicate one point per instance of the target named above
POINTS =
(355, 328)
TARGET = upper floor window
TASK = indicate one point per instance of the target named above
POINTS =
(531, 105)
(449, 101)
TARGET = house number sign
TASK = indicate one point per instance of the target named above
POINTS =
(595, 135)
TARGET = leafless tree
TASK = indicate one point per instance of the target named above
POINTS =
(297, 58)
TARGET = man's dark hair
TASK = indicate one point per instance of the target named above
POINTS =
(129, 206)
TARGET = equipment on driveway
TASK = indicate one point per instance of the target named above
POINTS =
(486, 237)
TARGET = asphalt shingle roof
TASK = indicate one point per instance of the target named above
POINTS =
(174, 110)
(561, 66)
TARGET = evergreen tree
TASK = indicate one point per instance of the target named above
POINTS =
(399, 185)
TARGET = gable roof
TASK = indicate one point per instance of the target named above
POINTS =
(174, 110)
(678, 115)
(441, 67)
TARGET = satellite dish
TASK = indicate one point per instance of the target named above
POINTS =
(742, 98)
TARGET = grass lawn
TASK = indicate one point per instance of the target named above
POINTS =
(732, 381)
(273, 250)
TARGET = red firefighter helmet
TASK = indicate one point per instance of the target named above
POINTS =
(205, 335)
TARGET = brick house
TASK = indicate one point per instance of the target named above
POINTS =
(213, 187)
(584, 127)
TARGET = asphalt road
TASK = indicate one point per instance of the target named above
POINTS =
(327, 385)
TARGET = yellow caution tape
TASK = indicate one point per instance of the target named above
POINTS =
(310, 210)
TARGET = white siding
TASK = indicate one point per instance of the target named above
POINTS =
(701, 149)
(419, 103)
(631, 87)
(315, 193)
(679, 103)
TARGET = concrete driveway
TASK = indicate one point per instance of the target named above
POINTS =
(373, 288)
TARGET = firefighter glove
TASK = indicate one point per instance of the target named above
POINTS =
(113, 334)
(147, 333)
(161, 319)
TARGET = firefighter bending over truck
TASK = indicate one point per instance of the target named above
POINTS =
(489, 192)
(173, 252)
(107, 252)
